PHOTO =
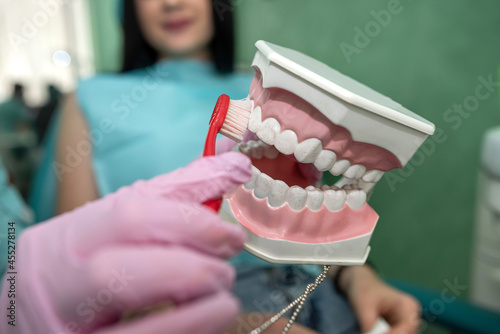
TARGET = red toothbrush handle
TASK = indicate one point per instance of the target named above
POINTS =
(216, 122)
(214, 204)
(209, 150)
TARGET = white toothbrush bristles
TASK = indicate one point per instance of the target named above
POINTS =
(236, 122)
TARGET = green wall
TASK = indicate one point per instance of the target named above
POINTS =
(427, 57)
(106, 33)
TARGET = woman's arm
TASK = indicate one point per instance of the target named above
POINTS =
(371, 299)
(74, 153)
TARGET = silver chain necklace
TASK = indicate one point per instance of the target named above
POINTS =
(300, 301)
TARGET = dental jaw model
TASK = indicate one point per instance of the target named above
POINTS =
(308, 118)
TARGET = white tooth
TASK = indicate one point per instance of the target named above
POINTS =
(325, 187)
(334, 199)
(325, 160)
(248, 148)
(356, 199)
(343, 181)
(277, 193)
(258, 153)
(308, 150)
(366, 187)
(311, 188)
(296, 198)
(286, 142)
(368, 176)
(244, 148)
(378, 177)
(371, 175)
(339, 167)
(251, 184)
(314, 199)
(347, 186)
(255, 120)
(355, 172)
(257, 150)
(270, 152)
(262, 185)
(268, 131)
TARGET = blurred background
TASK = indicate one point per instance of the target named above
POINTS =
(430, 56)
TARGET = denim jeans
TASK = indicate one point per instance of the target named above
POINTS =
(270, 289)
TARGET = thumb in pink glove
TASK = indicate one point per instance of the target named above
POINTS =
(144, 244)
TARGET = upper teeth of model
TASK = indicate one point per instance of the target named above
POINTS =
(278, 192)
(307, 151)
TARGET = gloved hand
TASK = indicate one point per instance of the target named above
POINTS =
(144, 244)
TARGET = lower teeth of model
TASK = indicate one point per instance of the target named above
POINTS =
(278, 193)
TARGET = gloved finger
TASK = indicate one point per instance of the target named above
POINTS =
(209, 315)
(134, 278)
(135, 219)
(201, 180)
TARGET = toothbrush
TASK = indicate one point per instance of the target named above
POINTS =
(229, 118)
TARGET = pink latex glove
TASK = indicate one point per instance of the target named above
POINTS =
(144, 244)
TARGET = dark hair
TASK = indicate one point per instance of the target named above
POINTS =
(18, 90)
(138, 53)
